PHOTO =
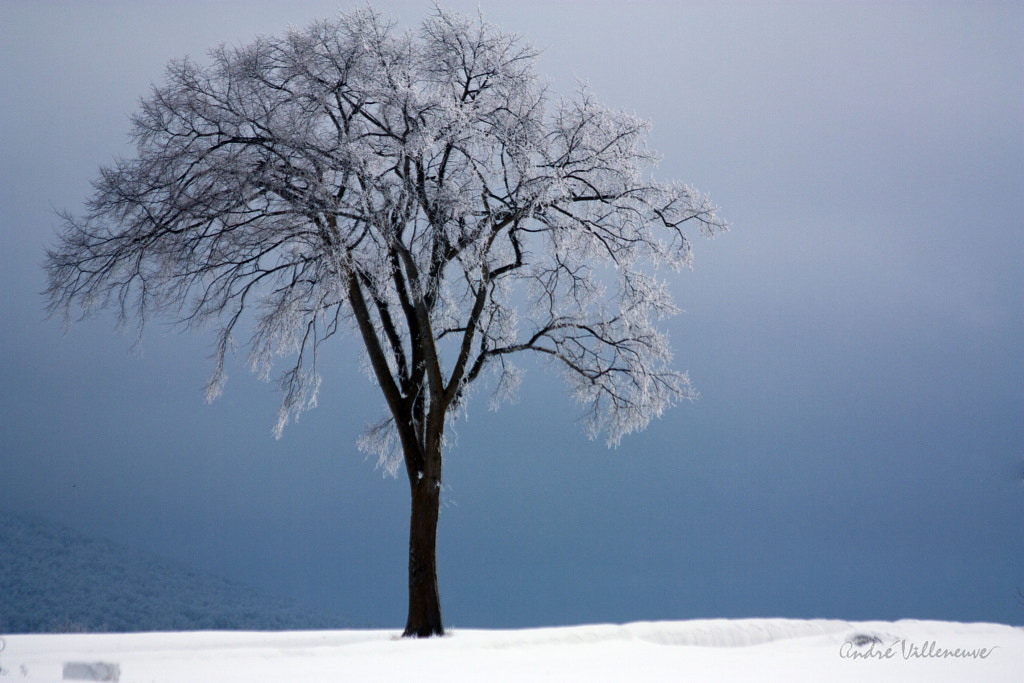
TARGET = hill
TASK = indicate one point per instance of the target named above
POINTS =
(53, 579)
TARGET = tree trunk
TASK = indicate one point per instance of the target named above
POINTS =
(424, 599)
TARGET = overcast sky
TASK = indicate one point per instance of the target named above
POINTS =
(857, 450)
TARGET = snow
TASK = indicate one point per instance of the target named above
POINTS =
(700, 650)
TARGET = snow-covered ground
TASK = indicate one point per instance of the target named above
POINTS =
(704, 650)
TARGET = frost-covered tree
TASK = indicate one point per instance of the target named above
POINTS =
(421, 188)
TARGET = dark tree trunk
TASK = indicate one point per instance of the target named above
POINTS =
(424, 599)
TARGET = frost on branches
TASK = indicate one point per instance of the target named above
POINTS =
(422, 188)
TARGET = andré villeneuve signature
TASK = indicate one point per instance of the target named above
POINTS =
(929, 649)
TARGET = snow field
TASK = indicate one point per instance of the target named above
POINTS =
(699, 650)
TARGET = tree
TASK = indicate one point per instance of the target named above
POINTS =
(421, 188)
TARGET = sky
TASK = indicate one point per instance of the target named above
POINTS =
(857, 338)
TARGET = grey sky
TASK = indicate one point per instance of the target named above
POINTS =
(858, 447)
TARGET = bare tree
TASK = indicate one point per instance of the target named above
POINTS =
(422, 188)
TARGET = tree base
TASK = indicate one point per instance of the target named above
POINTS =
(426, 632)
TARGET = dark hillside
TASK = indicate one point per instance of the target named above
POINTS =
(53, 579)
